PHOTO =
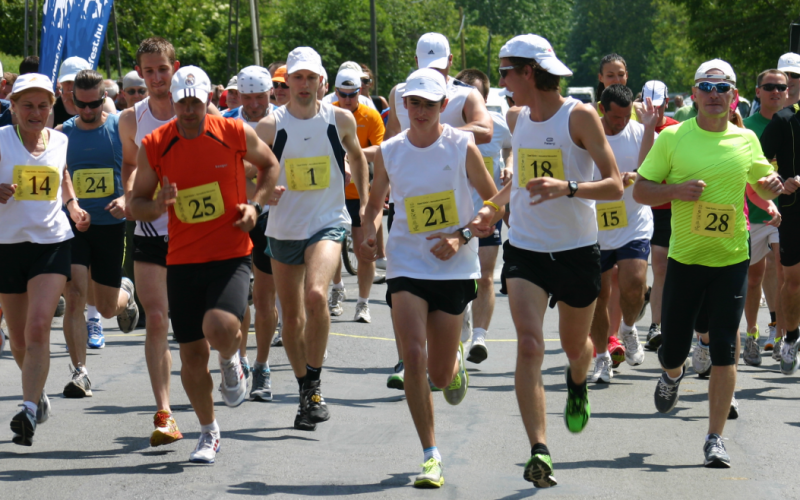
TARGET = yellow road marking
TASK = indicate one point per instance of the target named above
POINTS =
(332, 333)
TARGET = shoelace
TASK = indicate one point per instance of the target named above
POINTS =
(753, 351)
(429, 466)
(788, 349)
(703, 353)
(601, 365)
(206, 441)
(456, 383)
(94, 328)
(232, 374)
(666, 390)
(717, 446)
(631, 341)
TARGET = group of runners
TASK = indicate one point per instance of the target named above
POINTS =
(263, 192)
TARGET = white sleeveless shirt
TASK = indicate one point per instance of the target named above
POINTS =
(312, 169)
(559, 224)
(25, 219)
(437, 172)
(146, 123)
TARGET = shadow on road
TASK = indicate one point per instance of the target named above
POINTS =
(321, 490)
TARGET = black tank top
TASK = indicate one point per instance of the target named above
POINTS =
(60, 114)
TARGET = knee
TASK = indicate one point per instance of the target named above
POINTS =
(75, 297)
(38, 333)
(574, 350)
(106, 309)
(486, 281)
(218, 323)
(194, 359)
(415, 358)
(530, 349)
(157, 319)
(792, 282)
(316, 299)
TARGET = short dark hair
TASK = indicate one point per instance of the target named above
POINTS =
(770, 72)
(155, 45)
(274, 66)
(89, 79)
(618, 94)
(29, 65)
(544, 81)
(472, 75)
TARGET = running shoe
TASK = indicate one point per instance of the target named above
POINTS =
(302, 421)
(466, 324)
(616, 350)
(701, 360)
(43, 408)
(80, 386)
(716, 457)
(248, 373)
(128, 318)
(763, 302)
(634, 352)
(397, 379)
(455, 392)
(335, 301)
(776, 351)
(539, 471)
(789, 356)
(362, 313)
(602, 371)
(644, 304)
(770, 343)
(478, 351)
(207, 448)
(666, 395)
(96, 339)
(578, 410)
(233, 385)
(431, 476)
(381, 263)
(61, 307)
(733, 413)
(23, 425)
(653, 341)
(277, 340)
(432, 386)
(752, 351)
(314, 402)
(262, 385)
(166, 431)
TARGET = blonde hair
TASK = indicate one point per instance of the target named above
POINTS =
(18, 95)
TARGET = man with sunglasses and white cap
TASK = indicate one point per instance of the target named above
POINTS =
(64, 109)
(362, 99)
(551, 254)
(305, 229)
(133, 88)
(789, 63)
(706, 164)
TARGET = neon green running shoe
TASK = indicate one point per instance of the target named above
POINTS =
(455, 392)
(578, 409)
(432, 475)
(539, 471)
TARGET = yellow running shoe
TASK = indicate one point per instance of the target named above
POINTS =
(166, 429)
(431, 476)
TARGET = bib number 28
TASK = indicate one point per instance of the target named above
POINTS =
(713, 220)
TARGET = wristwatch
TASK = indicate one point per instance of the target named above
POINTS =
(466, 234)
(573, 188)
(258, 208)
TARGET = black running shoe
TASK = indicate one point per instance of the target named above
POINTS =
(666, 395)
(301, 420)
(716, 455)
(23, 425)
(315, 404)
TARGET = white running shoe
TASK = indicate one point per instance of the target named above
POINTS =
(477, 350)
(381, 263)
(335, 301)
(43, 408)
(776, 350)
(362, 313)
(233, 385)
(602, 371)
(466, 325)
(789, 356)
(206, 450)
(634, 352)
(701, 360)
(770, 343)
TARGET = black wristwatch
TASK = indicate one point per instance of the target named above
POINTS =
(573, 188)
(466, 234)
(258, 208)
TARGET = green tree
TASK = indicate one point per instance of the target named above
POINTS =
(673, 59)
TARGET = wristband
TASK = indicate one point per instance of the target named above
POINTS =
(66, 205)
(489, 203)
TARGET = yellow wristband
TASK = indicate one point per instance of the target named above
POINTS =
(488, 203)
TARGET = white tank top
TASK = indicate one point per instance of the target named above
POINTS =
(146, 123)
(492, 153)
(312, 151)
(439, 171)
(620, 222)
(25, 218)
(559, 224)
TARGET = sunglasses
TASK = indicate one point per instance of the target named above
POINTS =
(769, 87)
(351, 95)
(366, 81)
(504, 70)
(134, 91)
(794, 76)
(721, 87)
(280, 85)
(92, 105)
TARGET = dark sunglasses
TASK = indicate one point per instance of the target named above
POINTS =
(281, 85)
(769, 87)
(92, 105)
(504, 70)
(366, 81)
(351, 95)
(134, 91)
(794, 76)
(721, 87)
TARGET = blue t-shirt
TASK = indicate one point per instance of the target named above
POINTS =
(5, 112)
(100, 148)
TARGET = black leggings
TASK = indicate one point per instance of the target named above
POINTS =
(688, 289)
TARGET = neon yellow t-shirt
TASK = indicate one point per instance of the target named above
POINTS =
(712, 235)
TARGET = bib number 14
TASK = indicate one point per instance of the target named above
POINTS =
(36, 183)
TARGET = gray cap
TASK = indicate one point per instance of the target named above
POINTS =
(132, 79)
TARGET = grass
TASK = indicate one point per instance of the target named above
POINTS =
(10, 63)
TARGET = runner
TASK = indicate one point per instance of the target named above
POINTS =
(133, 88)
(197, 158)
(232, 99)
(362, 99)
(625, 226)
(65, 108)
(433, 262)
(707, 165)
(34, 253)
(280, 89)
(551, 254)
(789, 63)
(94, 160)
(304, 231)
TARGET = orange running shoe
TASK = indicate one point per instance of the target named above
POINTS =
(617, 351)
(166, 429)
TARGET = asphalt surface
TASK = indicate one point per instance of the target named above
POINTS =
(99, 447)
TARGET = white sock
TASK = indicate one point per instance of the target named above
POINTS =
(432, 452)
(673, 379)
(245, 361)
(603, 354)
(478, 331)
(30, 405)
(91, 313)
(226, 362)
(623, 328)
(261, 366)
(212, 427)
(127, 294)
(338, 286)
(280, 309)
(362, 300)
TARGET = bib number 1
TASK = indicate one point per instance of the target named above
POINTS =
(308, 174)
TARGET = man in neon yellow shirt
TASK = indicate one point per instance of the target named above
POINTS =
(706, 163)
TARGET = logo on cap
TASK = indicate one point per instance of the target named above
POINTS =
(190, 80)
(431, 52)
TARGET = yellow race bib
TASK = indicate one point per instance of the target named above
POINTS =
(200, 204)
(488, 161)
(533, 163)
(308, 174)
(94, 182)
(431, 212)
(36, 183)
(713, 219)
(611, 215)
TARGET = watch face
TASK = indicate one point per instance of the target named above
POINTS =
(467, 234)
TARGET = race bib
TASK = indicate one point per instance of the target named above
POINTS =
(308, 174)
(488, 161)
(533, 163)
(713, 219)
(94, 182)
(611, 215)
(431, 212)
(199, 204)
(36, 183)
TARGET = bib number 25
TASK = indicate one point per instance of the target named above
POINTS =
(200, 204)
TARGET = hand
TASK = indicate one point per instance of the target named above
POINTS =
(276, 195)
(247, 217)
(771, 183)
(481, 226)
(690, 190)
(448, 245)
(628, 178)
(648, 114)
(789, 186)
(542, 189)
(506, 175)
(6, 192)
(775, 214)
(369, 248)
(117, 207)
(80, 217)
(167, 196)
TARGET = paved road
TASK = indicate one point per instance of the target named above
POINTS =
(98, 447)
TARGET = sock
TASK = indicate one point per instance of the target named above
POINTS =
(245, 361)
(623, 328)
(432, 452)
(300, 381)
(700, 342)
(338, 286)
(226, 362)
(604, 354)
(772, 317)
(91, 313)
(793, 335)
(127, 294)
(31, 406)
(575, 387)
(362, 300)
(540, 449)
(212, 427)
(674, 379)
(261, 366)
(478, 332)
(312, 373)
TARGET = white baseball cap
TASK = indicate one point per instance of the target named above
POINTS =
(324, 75)
(253, 80)
(537, 48)
(304, 58)
(190, 81)
(433, 51)
(32, 81)
(132, 79)
(656, 91)
(355, 67)
(718, 64)
(348, 79)
(426, 83)
(70, 68)
(789, 62)
(233, 83)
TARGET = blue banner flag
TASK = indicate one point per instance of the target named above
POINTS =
(87, 29)
(55, 20)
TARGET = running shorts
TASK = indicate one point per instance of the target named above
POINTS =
(152, 249)
(449, 296)
(103, 249)
(636, 249)
(21, 262)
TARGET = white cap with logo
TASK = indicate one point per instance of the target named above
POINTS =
(789, 63)
(433, 51)
(656, 91)
(32, 81)
(304, 58)
(355, 67)
(190, 81)
(70, 67)
(426, 83)
(718, 64)
(254, 80)
(132, 79)
(536, 48)
(348, 79)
